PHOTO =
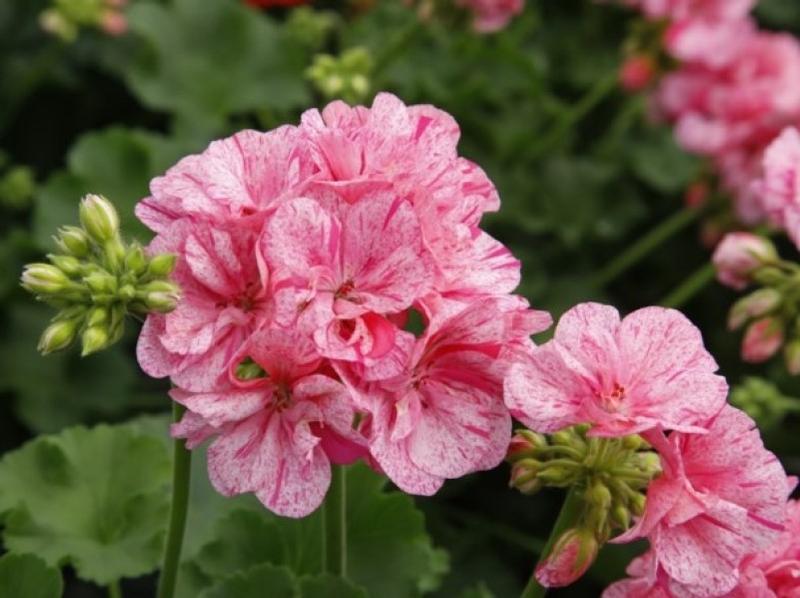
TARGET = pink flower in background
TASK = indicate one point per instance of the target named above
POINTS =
(623, 377)
(224, 301)
(738, 255)
(444, 416)
(492, 15)
(762, 339)
(276, 435)
(691, 9)
(779, 189)
(721, 496)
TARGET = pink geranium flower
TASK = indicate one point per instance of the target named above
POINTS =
(739, 255)
(236, 179)
(623, 377)
(779, 189)
(492, 15)
(276, 435)
(444, 416)
(720, 497)
(689, 9)
(224, 302)
(343, 276)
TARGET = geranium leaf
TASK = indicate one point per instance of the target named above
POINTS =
(27, 576)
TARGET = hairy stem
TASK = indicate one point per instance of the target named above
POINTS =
(335, 526)
(114, 590)
(181, 475)
(571, 511)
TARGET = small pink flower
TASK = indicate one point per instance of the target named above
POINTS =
(624, 377)
(637, 73)
(114, 23)
(738, 255)
(273, 433)
(573, 553)
(688, 9)
(444, 417)
(720, 497)
(492, 15)
(762, 339)
(779, 190)
(224, 301)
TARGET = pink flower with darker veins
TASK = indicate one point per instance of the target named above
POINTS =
(492, 15)
(275, 435)
(779, 189)
(721, 496)
(622, 376)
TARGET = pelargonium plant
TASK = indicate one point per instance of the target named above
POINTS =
(332, 298)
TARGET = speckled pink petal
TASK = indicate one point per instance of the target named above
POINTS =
(543, 392)
(193, 428)
(225, 405)
(587, 334)
(153, 358)
(258, 455)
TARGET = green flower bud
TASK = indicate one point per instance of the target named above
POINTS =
(160, 296)
(99, 218)
(621, 516)
(556, 475)
(97, 316)
(599, 496)
(73, 240)
(71, 266)
(791, 355)
(58, 335)
(135, 260)
(524, 476)
(769, 276)
(93, 339)
(44, 279)
(101, 282)
(162, 265)
(524, 444)
(637, 502)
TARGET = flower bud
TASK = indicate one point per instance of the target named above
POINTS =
(44, 279)
(160, 296)
(621, 517)
(69, 265)
(637, 73)
(762, 340)
(524, 444)
(599, 496)
(57, 336)
(556, 475)
(754, 305)
(97, 316)
(99, 218)
(739, 255)
(73, 240)
(162, 265)
(637, 503)
(101, 282)
(573, 553)
(94, 338)
(791, 355)
(524, 476)
(135, 260)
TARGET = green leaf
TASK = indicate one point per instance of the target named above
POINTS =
(27, 576)
(95, 498)
(405, 565)
(329, 586)
(257, 582)
(658, 161)
(208, 60)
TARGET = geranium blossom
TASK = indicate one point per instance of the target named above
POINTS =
(306, 249)
(779, 189)
(623, 377)
(275, 435)
(721, 496)
(492, 15)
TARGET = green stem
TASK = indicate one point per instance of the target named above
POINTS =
(335, 518)
(181, 476)
(596, 94)
(114, 590)
(645, 245)
(696, 282)
(571, 511)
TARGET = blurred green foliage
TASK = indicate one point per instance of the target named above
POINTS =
(582, 174)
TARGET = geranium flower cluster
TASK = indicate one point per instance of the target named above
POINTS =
(304, 253)
(735, 88)
(488, 16)
(719, 504)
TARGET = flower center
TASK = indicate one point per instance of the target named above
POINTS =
(611, 400)
(282, 396)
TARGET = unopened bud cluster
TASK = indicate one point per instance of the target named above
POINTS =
(65, 18)
(311, 27)
(95, 280)
(612, 474)
(769, 314)
(345, 77)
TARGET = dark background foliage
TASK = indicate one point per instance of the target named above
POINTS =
(581, 173)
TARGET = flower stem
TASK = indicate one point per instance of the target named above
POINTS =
(571, 511)
(114, 590)
(335, 518)
(690, 287)
(181, 472)
(645, 245)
